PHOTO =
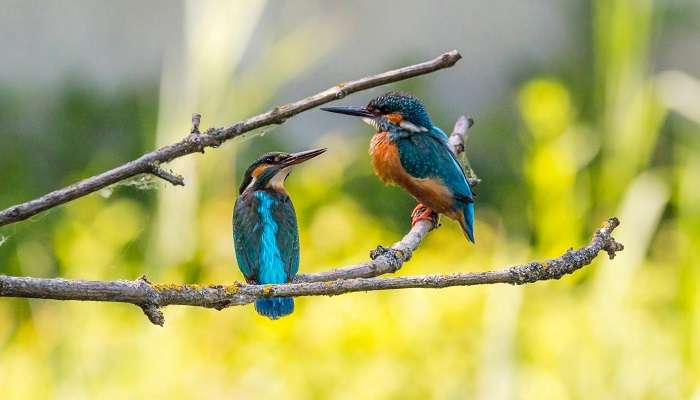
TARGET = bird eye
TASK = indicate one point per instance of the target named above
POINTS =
(374, 109)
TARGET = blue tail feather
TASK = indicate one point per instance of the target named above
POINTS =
(275, 307)
(468, 223)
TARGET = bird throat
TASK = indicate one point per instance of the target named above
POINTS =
(371, 122)
(277, 181)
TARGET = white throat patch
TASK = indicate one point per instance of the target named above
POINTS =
(405, 125)
(277, 181)
(409, 126)
(371, 122)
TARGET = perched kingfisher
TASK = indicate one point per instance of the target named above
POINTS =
(410, 151)
(265, 233)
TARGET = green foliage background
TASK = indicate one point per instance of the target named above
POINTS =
(600, 134)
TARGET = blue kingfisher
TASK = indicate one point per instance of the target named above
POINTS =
(265, 233)
(409, 150)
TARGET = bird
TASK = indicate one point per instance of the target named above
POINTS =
(265, 231)
(409, 150)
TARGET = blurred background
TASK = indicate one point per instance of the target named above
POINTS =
(583, 109)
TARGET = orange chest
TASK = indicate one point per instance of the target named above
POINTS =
(387, 165)
(385, 159)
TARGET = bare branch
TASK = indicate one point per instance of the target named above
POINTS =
(176, 180)
(457, 141)
(362, 277)
(216, 136)
(150, 297)
(383, 260)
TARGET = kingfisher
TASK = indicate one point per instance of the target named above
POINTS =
(409, 150)
(265, 233)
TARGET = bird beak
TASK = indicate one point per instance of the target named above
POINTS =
(300, 157)
(354, 111)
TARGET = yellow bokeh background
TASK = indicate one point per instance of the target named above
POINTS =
(621, 139)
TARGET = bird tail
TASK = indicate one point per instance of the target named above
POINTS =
(275, 307)
(466, 220)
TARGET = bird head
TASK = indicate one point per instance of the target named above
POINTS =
(398, 109)
(271, 169)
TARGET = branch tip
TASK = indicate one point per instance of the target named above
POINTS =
(610, 245)
(451, 57)
(154, 314)
(196, 119)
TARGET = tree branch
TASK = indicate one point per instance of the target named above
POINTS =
(150, 297)
(362, 277)
(214, 137)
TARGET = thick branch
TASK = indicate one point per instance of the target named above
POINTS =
(152, 296)
(216, 136)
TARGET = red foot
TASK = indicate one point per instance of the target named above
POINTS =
(423, 213)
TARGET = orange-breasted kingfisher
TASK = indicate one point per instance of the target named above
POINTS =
(409, 150)
(265, 233)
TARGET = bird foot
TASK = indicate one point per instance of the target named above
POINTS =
(423, 213)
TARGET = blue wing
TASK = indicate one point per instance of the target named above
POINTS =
(427, 155)
(247, 233)
(287, 234)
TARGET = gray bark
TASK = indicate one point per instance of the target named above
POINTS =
(150, 297)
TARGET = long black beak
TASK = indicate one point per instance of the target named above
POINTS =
(300, 157)
(354, 111)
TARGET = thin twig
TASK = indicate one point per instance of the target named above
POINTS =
(457, 141)
(216, 136)
(153, 296)
(176, 180)
(196, 120)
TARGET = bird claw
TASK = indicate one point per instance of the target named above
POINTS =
(423, 213)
